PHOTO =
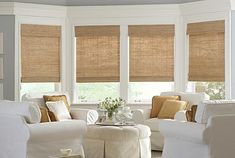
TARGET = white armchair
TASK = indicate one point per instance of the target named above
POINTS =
(211, 137)
(23, 136)
(142, 116)
(14, 136)
(88, 115)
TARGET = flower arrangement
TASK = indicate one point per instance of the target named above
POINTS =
(111, 106)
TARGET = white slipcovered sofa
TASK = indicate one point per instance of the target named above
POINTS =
(88, 115)
(142, 116)
(211, 137)
(23, 136)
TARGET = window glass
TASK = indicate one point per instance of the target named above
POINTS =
(144, 91)
(37, 87)
(216, 90)
(94, 92)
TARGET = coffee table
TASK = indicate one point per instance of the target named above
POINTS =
(71, 156)
(117, 142)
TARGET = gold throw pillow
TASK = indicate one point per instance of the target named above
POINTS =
(170, 108)
(190, 114)
(56, 98)
(44, 115)
(157, 102)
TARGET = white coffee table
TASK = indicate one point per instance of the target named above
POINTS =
(117, 142)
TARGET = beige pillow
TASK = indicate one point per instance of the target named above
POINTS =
(59, 109)
(190, 114)
(56, 98)
(45, 116)
(157, 102)
(170, 108)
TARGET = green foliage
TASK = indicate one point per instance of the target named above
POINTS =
(216, 90)
(111, 105)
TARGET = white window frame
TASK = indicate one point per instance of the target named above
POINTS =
(207, 17)
(61, 86)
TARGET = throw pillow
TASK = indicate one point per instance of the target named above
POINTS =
(157, 102)
(190, 114)
(56, 98)
(59, 109)
(44, 115)
(170, 108)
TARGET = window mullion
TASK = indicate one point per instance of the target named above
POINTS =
(124, 62)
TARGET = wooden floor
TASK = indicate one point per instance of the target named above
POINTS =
(156, 154)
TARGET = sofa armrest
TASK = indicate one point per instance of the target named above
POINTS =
(14, 136)
(181, 116)
(187, 131)
(13, 128)
(140, 115)
(57, 131)
(220, 128)
(88, 115)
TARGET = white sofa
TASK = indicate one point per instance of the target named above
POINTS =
(88, 115)
(211, 137)
(142, 116)
(23, 136)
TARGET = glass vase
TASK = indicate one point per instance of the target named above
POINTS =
(109, 116)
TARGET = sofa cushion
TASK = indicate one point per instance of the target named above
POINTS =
(30, 112)
(194, 98)
(191, 97)
(157, 102)
(59, 109)
(37, 97)
(170, 108)
(209, 108)
(152, 124)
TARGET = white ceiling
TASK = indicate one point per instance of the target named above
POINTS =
(100, 2)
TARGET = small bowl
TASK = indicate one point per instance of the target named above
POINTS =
(66, 152)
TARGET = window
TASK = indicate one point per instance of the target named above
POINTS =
(97, 62)
(144, 91)
(216, 90)
(151, 49)
(93, 92)
(40, 57)
(206, 58)
(37, 87)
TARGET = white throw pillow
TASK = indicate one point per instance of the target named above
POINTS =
(59, 109)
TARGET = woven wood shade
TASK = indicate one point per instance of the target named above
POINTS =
(206, 52)
(151, 53)
(206, 27)
(151, 30)
(98, 53)
(40, 53)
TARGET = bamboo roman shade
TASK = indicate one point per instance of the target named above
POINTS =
(97, 53)
(206, 51)
(40, 53)
(151, 50)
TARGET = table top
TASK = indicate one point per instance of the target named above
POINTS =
(115, 124)
(71, 156)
